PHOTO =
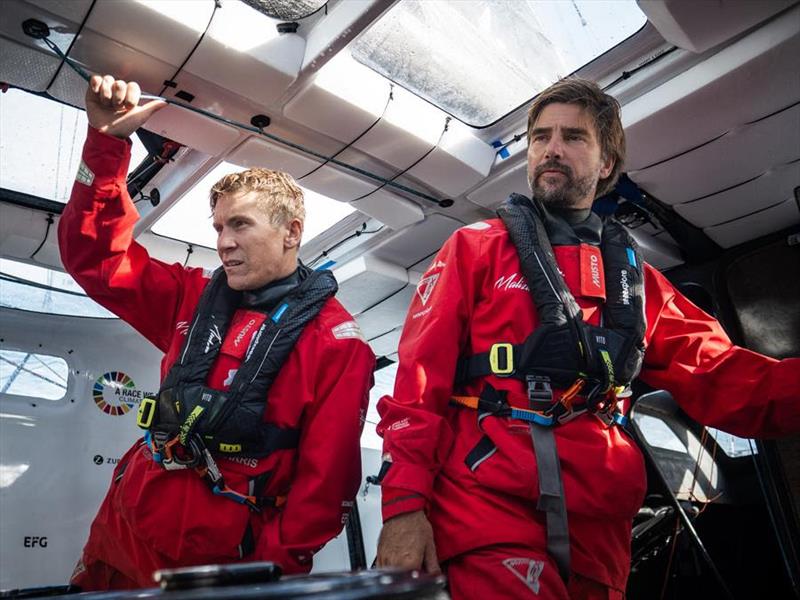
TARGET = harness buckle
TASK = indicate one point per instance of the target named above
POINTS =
(146, 412)
(495, 359)
(540, 393)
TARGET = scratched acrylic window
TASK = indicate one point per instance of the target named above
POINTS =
(33, 375)
(38, 289)
(40, 145)
(480, 59)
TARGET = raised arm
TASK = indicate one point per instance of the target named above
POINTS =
(95, 231)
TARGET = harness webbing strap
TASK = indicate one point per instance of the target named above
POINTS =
(551, 496)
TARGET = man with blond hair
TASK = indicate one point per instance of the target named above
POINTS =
(251, 448)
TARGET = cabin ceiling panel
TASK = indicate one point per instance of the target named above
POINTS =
(754, 226)
(193, 130)
(390, 209)
(496, 189)
(739, 155)
(257, 152)
(686, 24)
(407, 129)
(26, 67)
(28, 63)
(418, 242)
(366, 281)
(259, 73)
(72, 10)
(337, 184)
(336, 107)
(165, 31)
(98, 54)
(459, 162)
(757, 194)
(22, 230)
(677, 115)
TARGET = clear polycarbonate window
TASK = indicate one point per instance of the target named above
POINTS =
(38, 289)
(33, 374)
(41, 143)
(658, 434)
(732, 445)
(480, 59)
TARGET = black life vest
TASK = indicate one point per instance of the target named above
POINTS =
(564, 348)
(231, 422)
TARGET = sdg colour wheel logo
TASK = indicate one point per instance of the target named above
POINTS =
(115, 393)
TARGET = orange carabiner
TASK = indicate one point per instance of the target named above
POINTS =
(570, 393)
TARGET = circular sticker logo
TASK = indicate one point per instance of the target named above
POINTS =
(115, 393)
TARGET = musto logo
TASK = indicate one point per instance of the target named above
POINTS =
(115, 393)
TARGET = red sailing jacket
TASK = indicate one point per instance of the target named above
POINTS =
(152, 518)
(474, 295)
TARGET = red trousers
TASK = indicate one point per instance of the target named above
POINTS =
(517, 573)
(95, 575)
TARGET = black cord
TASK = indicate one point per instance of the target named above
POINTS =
(300, 148)
(41, 286)
(412, 165)
(71, 44)
(171, 81)
(517, 137)
(627, 74)
(50, 221)
(358, 233)
(358, 137)
(189, 251)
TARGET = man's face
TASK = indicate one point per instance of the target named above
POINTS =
(564, 157)
(253, 251)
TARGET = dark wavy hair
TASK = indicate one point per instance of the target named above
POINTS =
(605, 112)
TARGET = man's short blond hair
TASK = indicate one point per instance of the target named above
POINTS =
(279, 196)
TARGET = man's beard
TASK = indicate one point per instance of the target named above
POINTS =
(570, 194)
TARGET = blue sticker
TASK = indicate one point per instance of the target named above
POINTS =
(631, 257)
(326, 265)
(503, 152)
(279, 313)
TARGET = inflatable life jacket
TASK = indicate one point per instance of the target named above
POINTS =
(189, 422)
(564, 351)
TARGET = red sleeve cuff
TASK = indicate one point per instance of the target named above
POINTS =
(105, 159)
(411, 477)
(397, 501)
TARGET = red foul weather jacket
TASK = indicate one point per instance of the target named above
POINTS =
(473, 296)
(152, 518)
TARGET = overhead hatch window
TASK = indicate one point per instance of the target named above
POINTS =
(480, 59)
(38, 289)
(190, 219)
(41, 144)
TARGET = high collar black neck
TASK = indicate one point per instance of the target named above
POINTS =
(266, 298)
(566, 227)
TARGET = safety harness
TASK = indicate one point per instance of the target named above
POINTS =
(593, 364)
(188, 422)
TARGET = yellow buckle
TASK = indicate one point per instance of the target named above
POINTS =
(146, 412)
(494, 359)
